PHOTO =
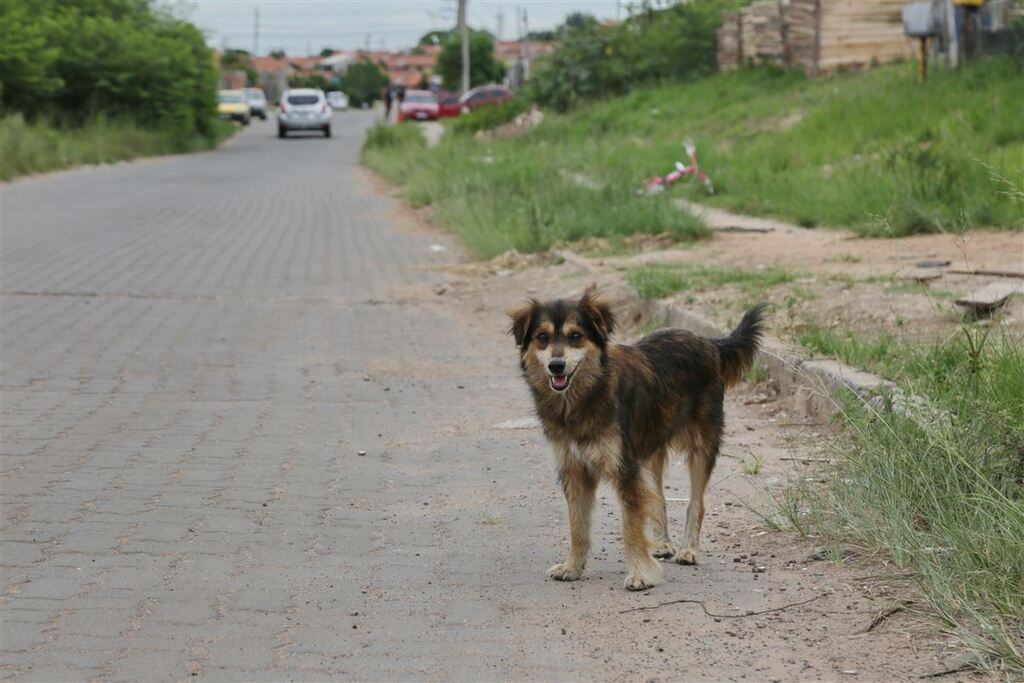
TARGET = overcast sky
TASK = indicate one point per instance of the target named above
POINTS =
(300, 25)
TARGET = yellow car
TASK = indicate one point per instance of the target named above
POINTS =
(232, 105)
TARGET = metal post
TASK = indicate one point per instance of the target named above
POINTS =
(464, 33)
(922, 58)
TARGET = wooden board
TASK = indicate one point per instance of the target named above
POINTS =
(990, 298)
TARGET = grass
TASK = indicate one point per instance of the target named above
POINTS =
(938, 485)
(875, 152)
(661, 280)
(38, 146)
(511, 195)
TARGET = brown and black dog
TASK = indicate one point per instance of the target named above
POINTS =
(614, 411)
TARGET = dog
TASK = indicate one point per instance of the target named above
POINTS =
(614, 411)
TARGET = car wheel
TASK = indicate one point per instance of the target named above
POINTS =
(282, 132)
(327, 131)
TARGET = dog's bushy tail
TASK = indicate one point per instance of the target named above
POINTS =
(738, 350)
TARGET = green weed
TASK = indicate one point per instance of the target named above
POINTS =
(661, 280)
(42, 146)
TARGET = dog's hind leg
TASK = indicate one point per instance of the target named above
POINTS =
(659, 514)
(580, 487)
(701, 461)
(636, 492)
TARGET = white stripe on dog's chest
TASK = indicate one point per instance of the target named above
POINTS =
(600, 456)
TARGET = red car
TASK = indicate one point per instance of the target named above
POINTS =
(418, 105)
(484, 95)
(448, 104)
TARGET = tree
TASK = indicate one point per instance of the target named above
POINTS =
(483, 67)
(364, 81)
(327, 52)
(278, 54)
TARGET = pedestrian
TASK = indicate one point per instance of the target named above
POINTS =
(387, 103)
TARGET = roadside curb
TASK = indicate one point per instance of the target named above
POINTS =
(817, 384)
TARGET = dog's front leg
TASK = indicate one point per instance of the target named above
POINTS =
(637, 495)
(580, 487)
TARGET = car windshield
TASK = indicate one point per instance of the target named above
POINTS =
(303, 99)
(418, 97)
(257, 95)
(230, 98)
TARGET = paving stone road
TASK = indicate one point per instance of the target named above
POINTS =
(195, 350)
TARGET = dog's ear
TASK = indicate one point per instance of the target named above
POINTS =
(599, 310)
(522, 317)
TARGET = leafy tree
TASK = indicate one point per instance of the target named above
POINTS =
(364, 81)
(327, 52)
(591, 60)
(278, 54)
(75, 60)
(311, 81)
(483, 66)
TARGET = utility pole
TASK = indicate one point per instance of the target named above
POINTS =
(526, 46)
(464, 33)
(501, 24)
(256, 32)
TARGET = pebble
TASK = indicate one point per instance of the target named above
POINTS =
(360, 452)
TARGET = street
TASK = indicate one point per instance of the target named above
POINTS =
(245, 440)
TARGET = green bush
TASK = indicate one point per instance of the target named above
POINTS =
(488, 118)
(73, 61)
(483, 67)
(592, 60)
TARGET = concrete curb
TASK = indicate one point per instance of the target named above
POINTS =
(817, 384)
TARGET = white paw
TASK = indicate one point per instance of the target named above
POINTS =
(686, 557)
(565, 572)
(664, 550)
(642, 578)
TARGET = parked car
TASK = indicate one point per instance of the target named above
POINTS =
(338, 100)
(419, 105)
(303, 109)
(257, 102)
(484, 95)
(231, 105)
(448, 104)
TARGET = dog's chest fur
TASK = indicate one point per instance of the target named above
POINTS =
(599, 452)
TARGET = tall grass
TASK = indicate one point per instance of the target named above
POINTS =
(938, 484)
(875, 152)
(37, 146)
(660, 280)
(514, 195)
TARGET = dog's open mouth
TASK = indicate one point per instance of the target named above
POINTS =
(559, 382)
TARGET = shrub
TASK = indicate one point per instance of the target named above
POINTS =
(488, 118)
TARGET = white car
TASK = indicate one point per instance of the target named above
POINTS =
(303, 109)
(257, 102)
(338, 100)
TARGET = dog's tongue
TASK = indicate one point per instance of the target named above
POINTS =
(559, 382)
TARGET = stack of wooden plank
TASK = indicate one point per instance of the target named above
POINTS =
(861, 32)
(816, 36)
(730, 49)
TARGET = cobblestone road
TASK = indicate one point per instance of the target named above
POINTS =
(195, 350)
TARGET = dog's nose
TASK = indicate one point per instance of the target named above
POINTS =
(557, 366)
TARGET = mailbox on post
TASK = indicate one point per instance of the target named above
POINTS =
(920, 21)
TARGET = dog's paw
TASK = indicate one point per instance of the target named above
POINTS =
(565, 572)
(664, 550)
(642, 578)
(686, 557)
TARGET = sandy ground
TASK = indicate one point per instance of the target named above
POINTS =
(842, 281)
(746, 567)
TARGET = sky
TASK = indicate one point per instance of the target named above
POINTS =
(303, 26)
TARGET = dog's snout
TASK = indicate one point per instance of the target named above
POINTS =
(557, 366)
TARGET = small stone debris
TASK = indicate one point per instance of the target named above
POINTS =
(440, 289)
(988, 299)
(932, 263)
(759, 569)
(360, 453)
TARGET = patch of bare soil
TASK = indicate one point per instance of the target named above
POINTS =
(844, 281)
(763, 605)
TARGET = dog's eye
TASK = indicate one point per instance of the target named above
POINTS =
(576, 337)
(542, 338)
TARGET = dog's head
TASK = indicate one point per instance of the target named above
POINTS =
(562, 342)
